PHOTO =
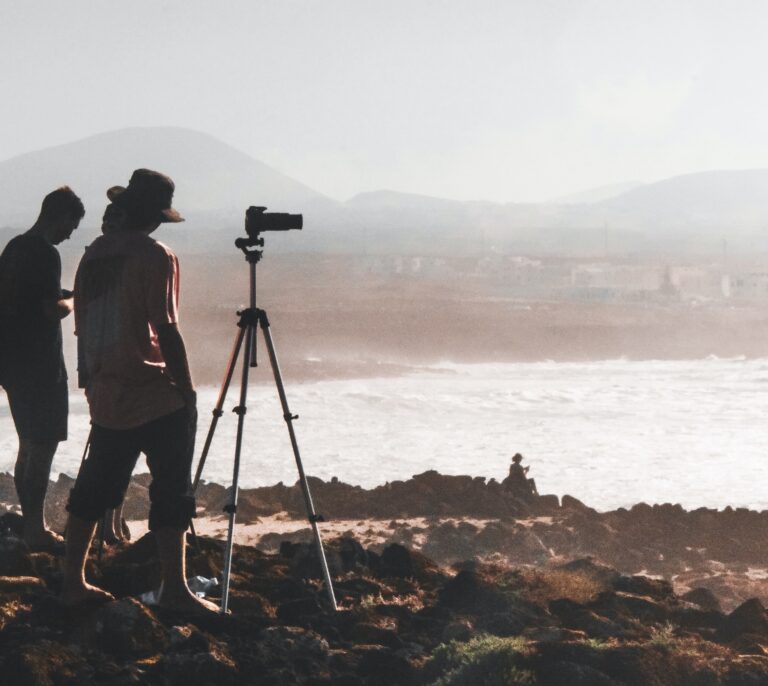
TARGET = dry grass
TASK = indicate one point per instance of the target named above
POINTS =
(542, 585)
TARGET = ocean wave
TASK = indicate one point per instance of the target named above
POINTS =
(612, 432)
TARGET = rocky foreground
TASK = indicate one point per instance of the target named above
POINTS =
(402, 620)
(545, 592)
(451, 519)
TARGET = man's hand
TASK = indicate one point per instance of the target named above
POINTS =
(58, 309)
(176, 365)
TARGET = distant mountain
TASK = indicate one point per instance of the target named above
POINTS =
(387, 199)
(598, 194)
(734, 199)
(216, 183)
(690, 214)
(211, 177)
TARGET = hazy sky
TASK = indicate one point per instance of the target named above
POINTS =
(508, 100)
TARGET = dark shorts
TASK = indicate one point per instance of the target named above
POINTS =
(39, 412)
(168, 443)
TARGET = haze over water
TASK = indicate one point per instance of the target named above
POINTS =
(611, 433)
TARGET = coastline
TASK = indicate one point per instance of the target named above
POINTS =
(455, 519)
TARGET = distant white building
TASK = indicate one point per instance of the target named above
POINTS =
(400, 264)
(699, 282)
(627, 278)
(750, 286)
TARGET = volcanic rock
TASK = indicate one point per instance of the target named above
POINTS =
(123, 628)
(298, 611)
(197, 659)
(381, 666)
(749, 618)
(702, 597)
(15, 558)
(43, 663)
(398, 561)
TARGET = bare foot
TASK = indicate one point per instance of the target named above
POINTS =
(44, 541)
(84, 593)
(111, 537)
(187, 602)
(118, 533)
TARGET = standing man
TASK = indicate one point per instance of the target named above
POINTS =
(32, 369)
(138, 387)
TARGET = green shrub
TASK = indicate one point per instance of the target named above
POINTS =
(598, 643)
(663, 636)
(486, 660)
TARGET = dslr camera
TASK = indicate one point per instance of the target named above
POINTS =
(257, 219)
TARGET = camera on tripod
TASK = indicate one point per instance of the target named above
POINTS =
(250, 319)
(257, 219)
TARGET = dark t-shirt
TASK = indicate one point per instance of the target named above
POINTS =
(30, 342)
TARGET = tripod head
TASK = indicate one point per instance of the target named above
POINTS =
(250, 248)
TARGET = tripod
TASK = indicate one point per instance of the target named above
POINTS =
(249, 321)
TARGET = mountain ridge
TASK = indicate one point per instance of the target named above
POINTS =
(210, 175)
(216, 182)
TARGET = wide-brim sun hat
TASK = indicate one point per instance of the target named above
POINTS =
(149, 193)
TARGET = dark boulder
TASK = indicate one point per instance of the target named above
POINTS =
(384, 667)
(124, 628)
(44, 663)
(560, 673)
(748, 618)
(15, 558)
(298, 611)
(11, 523)
(702, 597)
(398, 561)
(568, 502)
(658, 589)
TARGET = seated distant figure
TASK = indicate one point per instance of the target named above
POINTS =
(518, 483)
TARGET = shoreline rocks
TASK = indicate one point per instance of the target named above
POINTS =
(454, 518)
(402, 620)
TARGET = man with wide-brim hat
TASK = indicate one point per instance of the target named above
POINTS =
(138, 385)
(147, 197)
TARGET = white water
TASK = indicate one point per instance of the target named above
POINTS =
(611, 433)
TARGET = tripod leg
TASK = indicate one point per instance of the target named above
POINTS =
(82, 461)
(218, 412)
(253, 361)
(231, 507)
(311, 514)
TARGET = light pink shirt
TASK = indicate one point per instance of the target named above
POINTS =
(127, 285)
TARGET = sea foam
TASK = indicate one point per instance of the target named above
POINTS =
(612, 433)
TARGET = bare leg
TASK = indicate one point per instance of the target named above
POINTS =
(176, 593)
(31, 484)
(124, 527)
(19, 472)
(115, 529)
(74, 588)
(118, 524)
(110, 534)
